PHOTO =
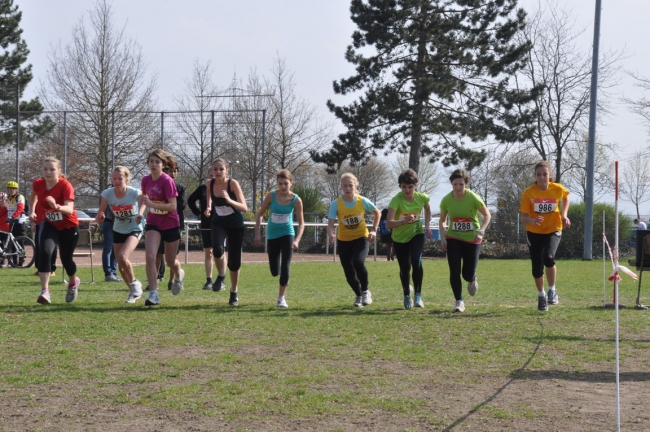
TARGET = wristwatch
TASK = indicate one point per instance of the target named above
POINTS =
(481, 232)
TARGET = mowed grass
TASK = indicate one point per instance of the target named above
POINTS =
(322, 356)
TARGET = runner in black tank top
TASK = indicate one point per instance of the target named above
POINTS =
(225, 206)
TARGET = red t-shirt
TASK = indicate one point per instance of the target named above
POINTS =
(4, 225)
(61, 192)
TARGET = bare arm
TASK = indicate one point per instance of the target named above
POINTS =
(240, 204)
(258, 218)
(301, 223)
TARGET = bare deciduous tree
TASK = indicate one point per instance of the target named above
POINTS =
(96, 77)
(575, 169)
(564, 71)
(194, 146)
(636, 180)
(428, 173)
(294, 128)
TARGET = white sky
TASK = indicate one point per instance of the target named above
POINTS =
(312, 35)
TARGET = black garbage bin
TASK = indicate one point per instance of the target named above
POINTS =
(640, 235)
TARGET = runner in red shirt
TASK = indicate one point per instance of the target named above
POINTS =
(53, 197)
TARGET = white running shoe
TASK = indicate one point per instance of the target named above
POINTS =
(472, 287)
(177, 285)
(460, 306)
(153, 299)
(71, 295)
(282, 303)
(44, 298)
(366, 297)
(418, 301)
(136, 291)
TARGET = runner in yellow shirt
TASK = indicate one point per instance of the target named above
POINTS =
(540, 211)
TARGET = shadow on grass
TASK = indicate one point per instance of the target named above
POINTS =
(503, 387)
(593, 377)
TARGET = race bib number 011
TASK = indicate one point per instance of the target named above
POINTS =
(352, 221)
(544, 206)
(54, 216)
(123, 212)
(462, 225)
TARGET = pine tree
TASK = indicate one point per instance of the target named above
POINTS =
(15, 75)
(432, 72)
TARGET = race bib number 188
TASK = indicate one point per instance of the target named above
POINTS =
(352, 221)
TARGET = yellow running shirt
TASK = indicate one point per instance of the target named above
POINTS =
(535, 202)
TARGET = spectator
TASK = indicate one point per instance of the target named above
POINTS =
(640, 224)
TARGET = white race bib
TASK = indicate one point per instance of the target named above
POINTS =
(352, 221)
(158, 211)
(462, 225)
(544, 205)
(123, 212)
(54, 216)
(224, 210)
(280, 218)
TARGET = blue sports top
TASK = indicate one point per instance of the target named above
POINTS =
(281, 219)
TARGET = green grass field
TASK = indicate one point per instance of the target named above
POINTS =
(195, 363)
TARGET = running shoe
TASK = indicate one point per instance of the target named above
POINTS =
(153, 299)
(460, 306)
(112, 278)
(71, 295)
(44, 298)
(136, 291)
(218, 284)
(542, 304)
(177, 286)
(408, 299)
(366, 297)
(207, 286)
(282, 303)
(170, 285)
(358, 301)
(472, 287)
(553, 299)
(234, 301)
(418, 300)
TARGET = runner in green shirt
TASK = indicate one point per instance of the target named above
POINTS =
(408, 235)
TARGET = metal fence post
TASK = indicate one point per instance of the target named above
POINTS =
(112, 141)
(162, 129)
(17, 131)
(65, 142)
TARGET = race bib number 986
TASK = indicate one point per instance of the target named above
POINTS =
(544, 206)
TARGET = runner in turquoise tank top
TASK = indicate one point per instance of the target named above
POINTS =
(281, 239)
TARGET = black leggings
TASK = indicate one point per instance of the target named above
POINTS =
(37, 249)
(280, 248)
(468, 253)
(409, 255)
(542, 248)
(235, 238)
(49, 239)
(353, 258)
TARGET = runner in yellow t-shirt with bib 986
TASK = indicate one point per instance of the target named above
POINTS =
(540, 211)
